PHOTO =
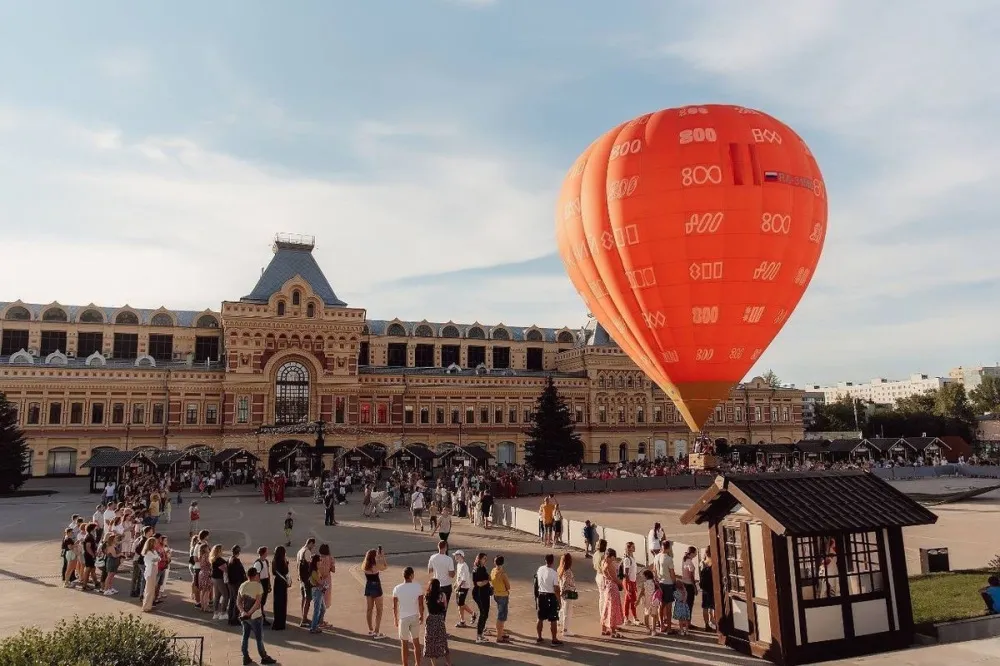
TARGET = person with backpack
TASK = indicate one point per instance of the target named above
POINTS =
(263, 567)
(628, 571)
(304, 560)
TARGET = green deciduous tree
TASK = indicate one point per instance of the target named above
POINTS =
(13, 448)
(771, 379)
(552, 439)
(986, 396)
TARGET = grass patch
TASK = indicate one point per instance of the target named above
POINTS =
(948, 596)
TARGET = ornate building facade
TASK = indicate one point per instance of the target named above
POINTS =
(85, 378)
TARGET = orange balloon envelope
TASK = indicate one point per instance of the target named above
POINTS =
(691, 234)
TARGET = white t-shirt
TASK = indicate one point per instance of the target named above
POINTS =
(109, 516)
(654, 540)
(408, 595)
(442, 565)
(548, 579)
(417, 500)
(663, 565)
(630, 567)
(262, 568)
(463, 577)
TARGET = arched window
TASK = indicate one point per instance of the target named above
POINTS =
(281, 308)
(628, 382)
(291, 390)
(604, 453)
(161, 319)
(207, 321)
(396, 331)
(449, 332)
(127, 319)
(476, 333)
(54, 314)
(534, 335)
(91, 316)
(501, 334)
(311, 310)
(365, 330)
(424, 331)
(565, 336)
(17, 313)
(642, 448)
(296, 297)
(600, 382)
(623, 451)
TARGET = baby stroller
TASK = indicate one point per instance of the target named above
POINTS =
(381, 502)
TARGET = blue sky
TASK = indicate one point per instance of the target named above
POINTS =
(424, 143)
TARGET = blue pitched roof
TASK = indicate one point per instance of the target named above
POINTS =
(290, 260)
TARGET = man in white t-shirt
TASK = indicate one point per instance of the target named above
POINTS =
(408, 613)
(263, 567)
(442, 568)
(417, 504)
(663, 567)
(109, 515)
(547, 602)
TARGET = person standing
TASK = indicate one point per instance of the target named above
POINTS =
(655, 539)
(289, 524)
(442, 568)
(567, 586)
(304, 559)
(417, 509)
(707, 584)
(444, 524)
(408, 614)
(501, 594)
(237, 575)
(463, 585)
(330, 506)
(486, 507)
(327, 567)
(263, 568)
(688, 570)
(663, 567)
(250, 604)
(546, 512)
(281, 581)
(547, 601)
(481, 593)
(435, 632)
(373, 565)
(317, 583)
(612, 615)
(150, 559)
(598, 561)
(221, 589)
(630, 572)
(194, 516)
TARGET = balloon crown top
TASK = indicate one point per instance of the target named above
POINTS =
(300, 242)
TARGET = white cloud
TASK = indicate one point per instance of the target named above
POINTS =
(124, 64)
(906, 91)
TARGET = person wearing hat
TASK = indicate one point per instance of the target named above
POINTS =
(463, 585)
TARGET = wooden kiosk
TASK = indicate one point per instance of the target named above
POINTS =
(809, 566)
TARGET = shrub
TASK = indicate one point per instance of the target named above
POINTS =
(96, 640)
(994, 564)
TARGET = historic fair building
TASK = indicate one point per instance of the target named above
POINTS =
(88, 378)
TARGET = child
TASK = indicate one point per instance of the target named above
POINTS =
(289, 523)
(194, 515)
(650, 597)
(682, 610)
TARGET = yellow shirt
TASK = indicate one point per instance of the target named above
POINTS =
(499, 582)
(548, 513)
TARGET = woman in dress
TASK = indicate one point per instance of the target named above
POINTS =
(682, 609)
(707, 591)
(237, 575)
(567, 586)
(435, 633)
(279, 589)
(612, 616)
(557, 524)
(151, 560)
(598, 561)
(205, 585)
(655, 539)
(374, 564)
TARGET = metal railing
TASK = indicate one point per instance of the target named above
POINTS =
(193, 647)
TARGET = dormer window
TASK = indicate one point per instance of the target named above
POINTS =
(281, 308)
(296, 298)
(310, 310)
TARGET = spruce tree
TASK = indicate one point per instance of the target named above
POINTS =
(13, 448)
(552, 439)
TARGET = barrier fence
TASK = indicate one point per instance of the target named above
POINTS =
(686, 481)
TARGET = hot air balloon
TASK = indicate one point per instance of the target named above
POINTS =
(691, 234)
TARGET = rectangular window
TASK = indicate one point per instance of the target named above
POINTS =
(118, 413)
(88, 343)
(396, 357)
(243, 410)
(718, 414)
(785, 412)
(212, 414)
(126, 345)
(13, 342)
(640, 414)
(423, 356)
(470, 415)
(76, 413)
(512, 415)
(864, 565)
(34, 413)
(53, 341)
(408, 414)
(138, 414)
(501, 357)
(206, 348)
(425, 415)
(528, 416)
(439, 415)
(97, 413)
(774, 415)
(534, 360)
(758, 414)
(455, 416)
(658, 414)
(738, 414)
(498, 415)
(484, 414)
(450, 354)
(579, 415)
(158, 413)
(191, 417)
(161, 346)
(363, 354)
(818, 571)
(602, 414)
(735, 580)
(477, 356)
(55, 413)
(366, 413)
(383, 413)
(339, 409)
(621, 415)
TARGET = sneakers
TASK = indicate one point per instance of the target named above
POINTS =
(481, 639)
(268, 660)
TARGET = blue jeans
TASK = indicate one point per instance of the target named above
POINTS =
(256, 627)
(319, 605)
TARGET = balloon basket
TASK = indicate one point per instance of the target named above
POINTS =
(702, 461)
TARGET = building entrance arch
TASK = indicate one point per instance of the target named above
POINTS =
(506, 453)
(287, 455)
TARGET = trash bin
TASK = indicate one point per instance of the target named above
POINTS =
(934, 560)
